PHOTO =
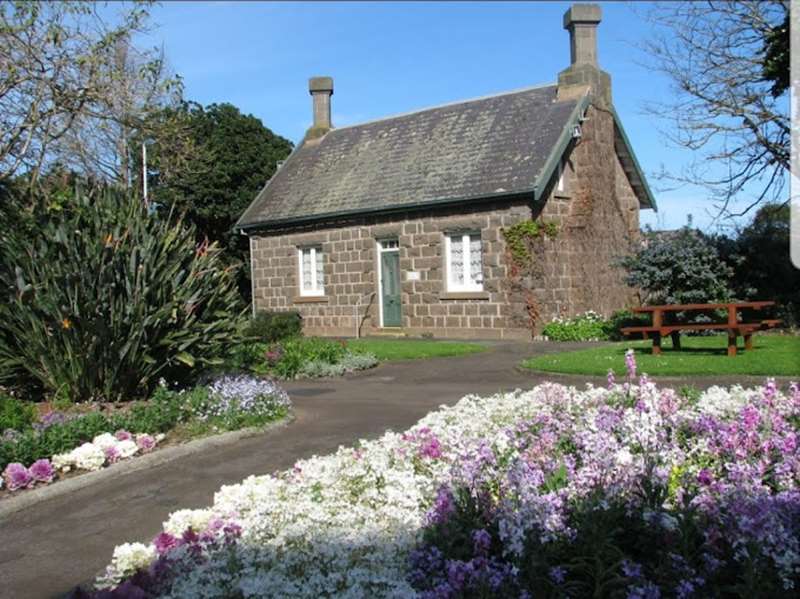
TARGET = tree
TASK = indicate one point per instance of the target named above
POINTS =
(54, 59)
(678, 267)
(728, 64)
(106, 136)
(759, 256)
(233, 156)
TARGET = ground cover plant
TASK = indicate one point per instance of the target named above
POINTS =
(65, 441)
(626, 490)
(773, 355)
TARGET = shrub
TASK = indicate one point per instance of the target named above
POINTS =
(269, 327)
(106, 298)
(623, 318)
(15, 414)
(588, 326)
(289, 357)
(679, 268)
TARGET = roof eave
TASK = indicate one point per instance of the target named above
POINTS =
(564, 139)
(356, 212)
(640, 188)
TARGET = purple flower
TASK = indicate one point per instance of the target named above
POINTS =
(431, 448)
(631, 569)
(164, 542)
(17, 477)
(558, 574)
(481, 542)
(630, 365)
(443, 507)
(145, 442)
(704, 477)
(770, 390)
(123, 435)
(610, 379)
(112, 454)
(42, 471)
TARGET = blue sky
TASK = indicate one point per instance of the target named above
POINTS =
(389, 58)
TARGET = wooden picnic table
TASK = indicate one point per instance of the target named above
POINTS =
(661, 326)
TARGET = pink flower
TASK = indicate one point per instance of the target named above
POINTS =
(610, 379)
(17, 477)
(165, 541)
(145, 442)
(42, 471)
(123, 435)
(112, 454)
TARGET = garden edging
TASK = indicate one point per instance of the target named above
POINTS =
(28, 498)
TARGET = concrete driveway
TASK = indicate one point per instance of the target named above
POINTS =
(51, 546)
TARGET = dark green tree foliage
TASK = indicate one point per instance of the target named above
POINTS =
(102, 297)
(776, 57)
(234, 156)
(759, 256)
(680, 267)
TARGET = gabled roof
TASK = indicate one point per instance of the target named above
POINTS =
(497, 146)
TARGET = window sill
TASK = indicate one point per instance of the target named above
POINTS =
(311, 299)
(464, 295)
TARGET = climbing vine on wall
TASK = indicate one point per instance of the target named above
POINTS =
(519, 239)
(520, 235)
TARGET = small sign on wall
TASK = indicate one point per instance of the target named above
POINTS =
(412, 275)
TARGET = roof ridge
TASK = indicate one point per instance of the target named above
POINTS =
(445, 105)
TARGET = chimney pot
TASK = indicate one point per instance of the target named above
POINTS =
(321, 90)
(581, 21)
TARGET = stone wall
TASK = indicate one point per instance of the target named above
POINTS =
(350, 274)
(598, 219)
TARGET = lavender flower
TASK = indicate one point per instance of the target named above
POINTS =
(17, 477)
(610, 379)
(233, 396)
(123, 435)
(558, 574)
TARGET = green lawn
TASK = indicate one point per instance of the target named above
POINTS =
(772, 355)
(408, 349)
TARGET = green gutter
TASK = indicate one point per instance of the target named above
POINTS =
(639, 173)
(564, 139)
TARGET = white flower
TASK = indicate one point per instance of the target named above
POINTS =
(63, 461)
(126, 449)
(127, 559)
(88, 457)
(105, 440)
(179, 521)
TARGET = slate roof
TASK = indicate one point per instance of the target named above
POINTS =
(476, 149)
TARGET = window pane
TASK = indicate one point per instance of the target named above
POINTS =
(475, 259)
(457, 260)
(319, 269)
(306, 253)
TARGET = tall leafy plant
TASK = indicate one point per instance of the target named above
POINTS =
(105, 298)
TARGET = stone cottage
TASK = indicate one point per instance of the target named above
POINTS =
(483, 218)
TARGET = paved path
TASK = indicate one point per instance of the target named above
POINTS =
(52, 546)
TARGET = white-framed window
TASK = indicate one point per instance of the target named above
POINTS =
(310, 270)
(464, 262)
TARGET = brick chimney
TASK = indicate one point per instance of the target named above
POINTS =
(321, 90)
(584, 73)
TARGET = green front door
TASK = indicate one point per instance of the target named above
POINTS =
(390, 288)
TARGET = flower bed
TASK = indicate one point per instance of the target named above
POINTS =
(61, 443)
(301, 357)
(627, 491)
